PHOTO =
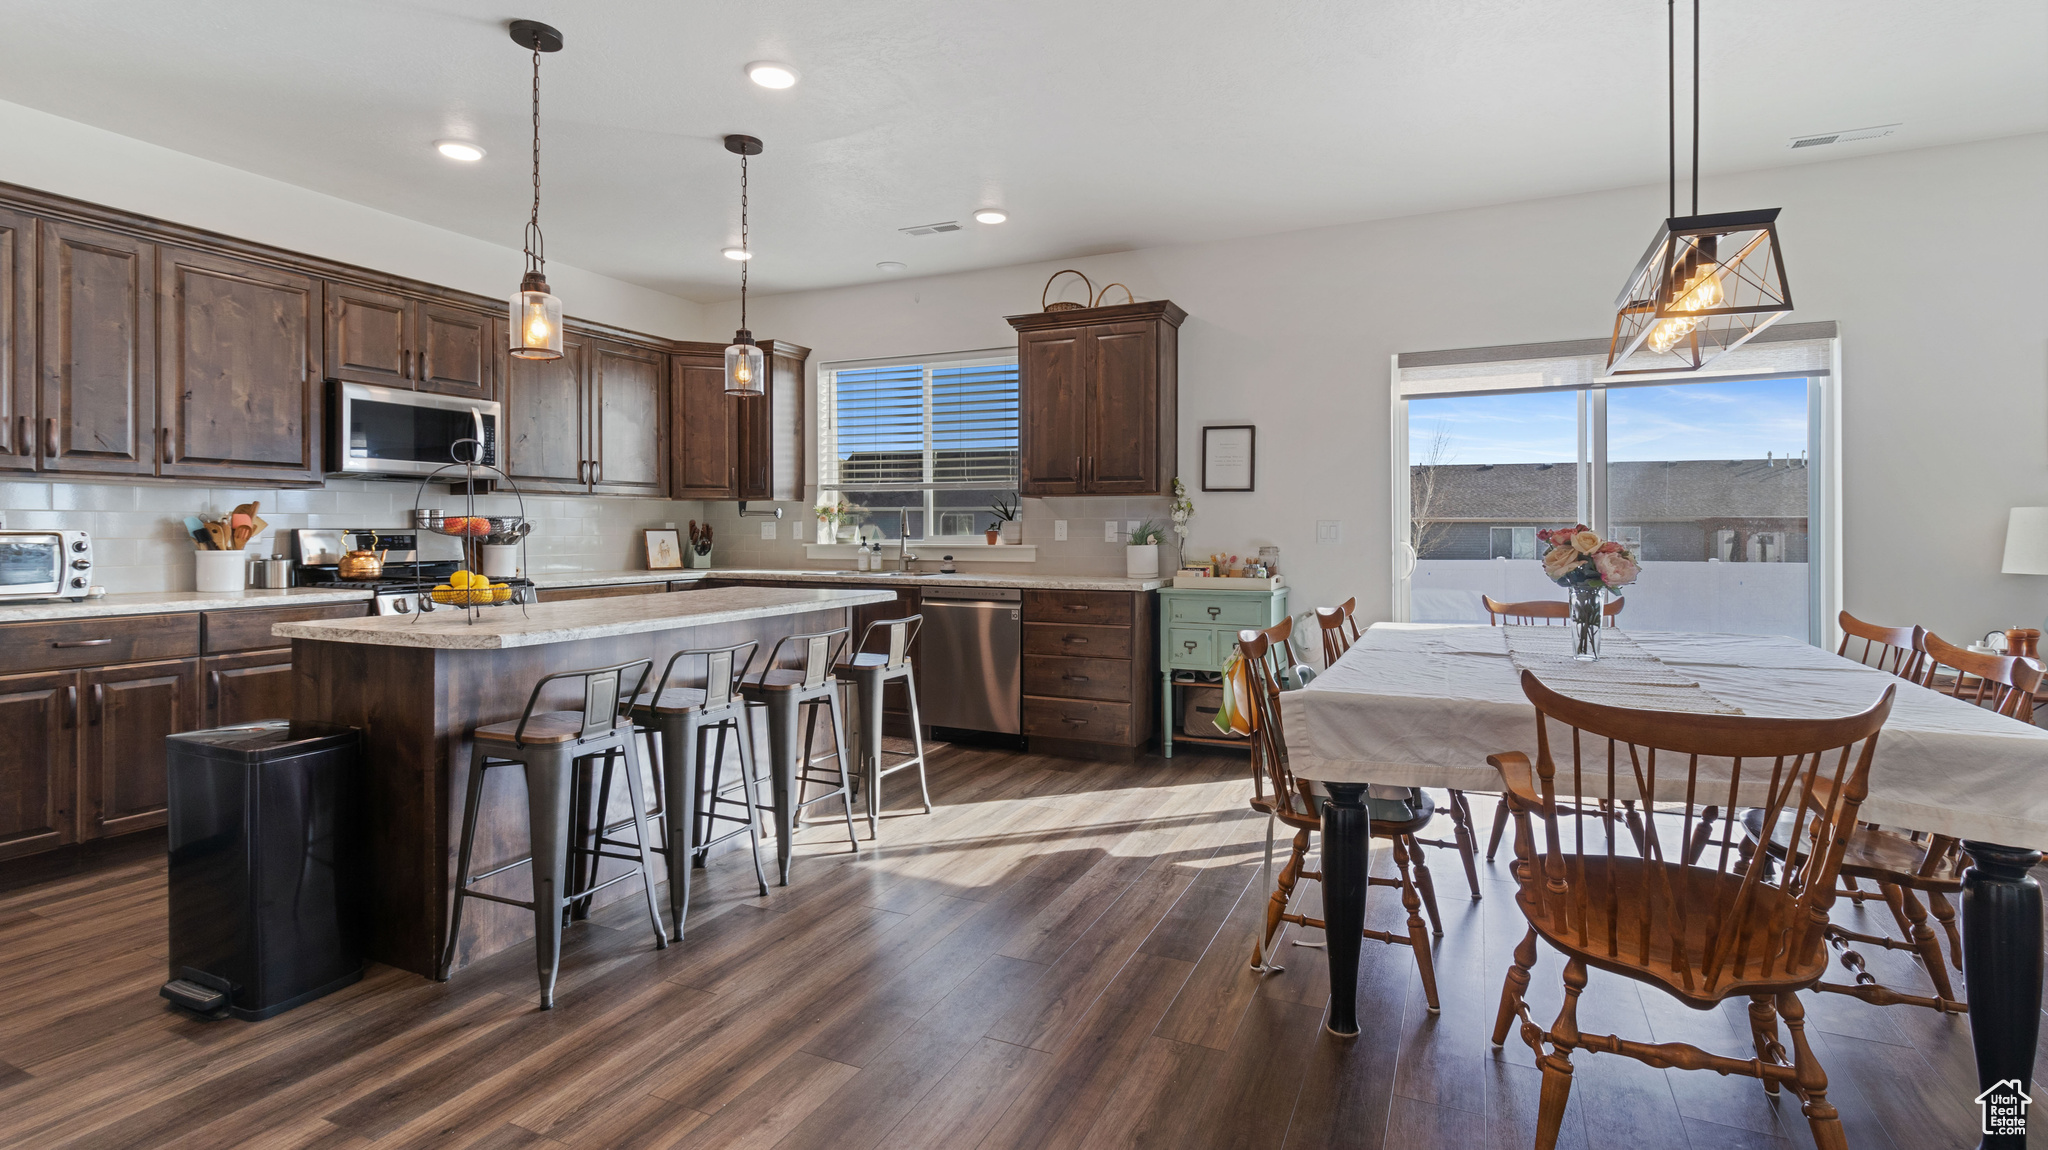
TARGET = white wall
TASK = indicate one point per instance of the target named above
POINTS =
(52, 154)
(1927, 259)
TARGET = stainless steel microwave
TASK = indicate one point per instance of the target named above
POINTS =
(45, 565)
(384, 431)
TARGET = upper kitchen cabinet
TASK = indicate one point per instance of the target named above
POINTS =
(1098, 388)
(729, 447)
(628, 402)
(98, 354)
(390, 340)
(17, 343)
(703, 427)
(238, 378)
(542, 445)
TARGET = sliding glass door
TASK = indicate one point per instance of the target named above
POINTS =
(1710, 481)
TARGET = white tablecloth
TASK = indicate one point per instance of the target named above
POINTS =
(1417, 704)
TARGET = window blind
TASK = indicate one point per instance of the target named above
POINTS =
(943, 423)
(974, 425)
(878, 426)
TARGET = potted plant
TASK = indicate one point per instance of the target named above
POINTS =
(1006, 516)
(1587, 566)
(1141, 554)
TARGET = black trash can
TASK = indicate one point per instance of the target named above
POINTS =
(266, 897)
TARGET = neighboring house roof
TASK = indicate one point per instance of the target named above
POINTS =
(1687, 489)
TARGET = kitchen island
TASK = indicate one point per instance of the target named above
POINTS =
(417, 685)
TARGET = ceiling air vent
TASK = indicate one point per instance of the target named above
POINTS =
(931, 229)
(1819, 139)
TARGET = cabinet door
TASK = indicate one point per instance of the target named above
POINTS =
(128, 713)
(17, 342)
(456, 353)
(1122, 407)
(703, 434)
(238, 382)
(38, 764)
(98, 351)
(771, 427)
(544, 433)
(247, 688)
(369, 336)
(628, 441)
(1054, 368)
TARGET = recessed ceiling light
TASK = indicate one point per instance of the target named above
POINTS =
(462, 150)
(737, 254)
(770, 74)
(991, 216)
(889, 266)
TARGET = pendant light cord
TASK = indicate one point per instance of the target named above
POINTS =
(536, 247)
(744, 246)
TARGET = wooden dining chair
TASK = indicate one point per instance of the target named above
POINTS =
(1282, 798)
(1334, 623)
(1903, 866)
(1893, 649)
(1545, 612)
(1702, 932)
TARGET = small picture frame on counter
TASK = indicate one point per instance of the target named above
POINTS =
(1229, 457)
(664, 549)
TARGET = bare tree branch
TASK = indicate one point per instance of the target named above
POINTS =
(1426, 532)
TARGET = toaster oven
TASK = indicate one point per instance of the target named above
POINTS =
(45, 565)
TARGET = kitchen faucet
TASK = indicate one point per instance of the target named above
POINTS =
(903, 556)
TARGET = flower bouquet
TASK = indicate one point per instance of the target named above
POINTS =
(1584, 564)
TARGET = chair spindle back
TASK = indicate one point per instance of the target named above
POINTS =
(2003, 683)
(1893, 649)
(1265, 653)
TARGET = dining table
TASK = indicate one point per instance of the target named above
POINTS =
(1423, 705)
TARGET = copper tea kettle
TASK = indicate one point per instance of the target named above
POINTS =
(363, 563)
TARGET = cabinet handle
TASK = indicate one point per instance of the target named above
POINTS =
(1075, 722)
(1077, 606)
(405, 363)
(99, 702)
(213, 690)
(1188, 645)
(83, 643)
(71, 707)
(1075, 678)
(50, 438)
(1077, 469)
(164, 445)
(6, 440)
(1215, 611)
(24, 441)
(1081, 639)
(596, 472)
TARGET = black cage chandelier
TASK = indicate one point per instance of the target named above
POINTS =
(1708, 283)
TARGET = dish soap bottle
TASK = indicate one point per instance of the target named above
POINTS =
(861, 557)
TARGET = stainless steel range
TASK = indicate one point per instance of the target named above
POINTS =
(401, 588)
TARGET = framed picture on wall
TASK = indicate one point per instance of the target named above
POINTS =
(664, 549)
(1229, 457)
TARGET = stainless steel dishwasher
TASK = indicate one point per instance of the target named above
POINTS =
(970, 658)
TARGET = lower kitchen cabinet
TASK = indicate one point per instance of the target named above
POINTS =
(247, 688)
(38, 762)
(128, 712)
(1088, 670)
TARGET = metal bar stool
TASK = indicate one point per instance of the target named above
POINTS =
(788, 693)
(869, 672)
(679, 720)
(551, 746)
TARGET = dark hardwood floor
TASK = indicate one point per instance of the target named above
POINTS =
(1056, 957)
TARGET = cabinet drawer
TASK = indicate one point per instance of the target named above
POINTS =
(1059, 677)
(1107, 607)
(1083, 719)
(1221, 612)
(96, 642)
(248, 629)
(1077, 639)
(609, 590)
(1196, 648)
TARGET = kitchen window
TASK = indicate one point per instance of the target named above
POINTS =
(924, 445)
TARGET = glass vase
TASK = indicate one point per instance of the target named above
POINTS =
(1586, 621)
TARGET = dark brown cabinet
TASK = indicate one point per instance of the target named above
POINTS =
(128, 713)
(544, 420)
(238, 378)
(246, 688)
(38, 770)
(1089, 665)
(593, 420)
(98, 355)
(392, 340)
(17, 345)
(1098, 390)
(729, 447)
(628, 405)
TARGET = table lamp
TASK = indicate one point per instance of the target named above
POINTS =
(2026, 542)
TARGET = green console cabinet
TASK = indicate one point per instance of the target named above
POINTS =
(1198, 631)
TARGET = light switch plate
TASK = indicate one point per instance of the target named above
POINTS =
(1109, 531)
(1059, 531)
(768, 529)
(1329, 531)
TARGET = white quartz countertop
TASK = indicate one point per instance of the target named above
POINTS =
(166, 602)
(853, 578)
(537, 624)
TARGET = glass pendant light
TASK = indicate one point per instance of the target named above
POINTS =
(1708, 283)
(536, 318)
(744, 364)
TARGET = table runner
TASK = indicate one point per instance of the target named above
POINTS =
(1624, 675)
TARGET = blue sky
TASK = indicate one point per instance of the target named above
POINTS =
(1733, 420)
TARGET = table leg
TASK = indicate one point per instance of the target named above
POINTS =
(2002, 962)
(1166, 719)
(1347, 839)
